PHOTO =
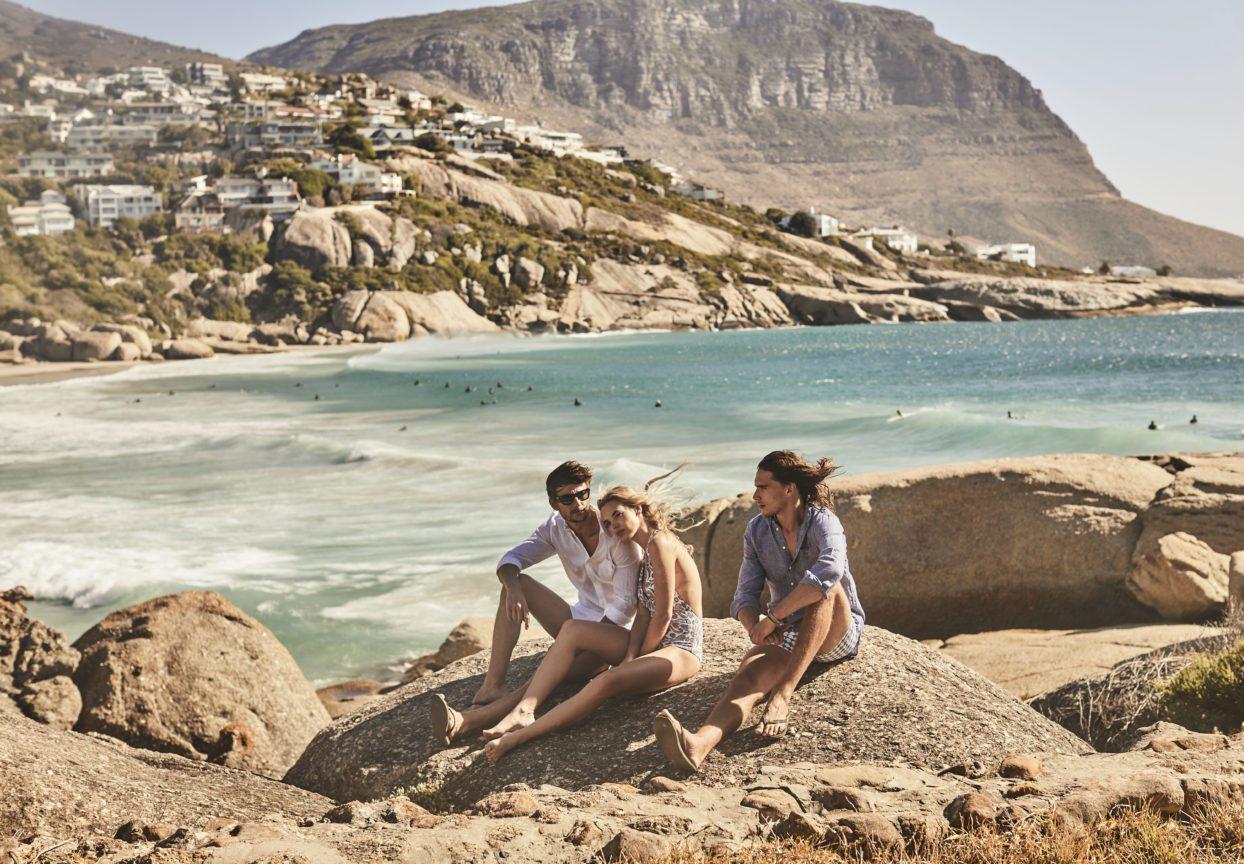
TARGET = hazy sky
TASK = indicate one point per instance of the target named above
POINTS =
(1156, 89)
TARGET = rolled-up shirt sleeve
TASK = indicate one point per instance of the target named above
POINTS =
(531, 551)
(831, 564)
(751, 577)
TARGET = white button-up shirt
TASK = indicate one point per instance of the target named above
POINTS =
(606, 579)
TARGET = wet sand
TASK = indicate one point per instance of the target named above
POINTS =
(48, 373)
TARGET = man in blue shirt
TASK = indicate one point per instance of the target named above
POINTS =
(797, 547)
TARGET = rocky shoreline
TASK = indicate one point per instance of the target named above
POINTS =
(181, 729)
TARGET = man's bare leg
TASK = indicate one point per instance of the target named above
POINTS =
(549, 610)
(824, 623)
(759, 671)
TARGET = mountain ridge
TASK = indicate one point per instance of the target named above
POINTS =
(858, 110)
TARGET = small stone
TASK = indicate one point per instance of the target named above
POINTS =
(969, 811)
(351, 813)
(506, 804)
(921, 829)
(772, 804)
(635, 847)
(801, 827)
(158, 831)
(216, 823)
(1022, 789)
(403, 811)
(585, 833)
(1021, 767)
(665, 784)
(253, 832)
(870, 833)
(130, 832)
(842, 798)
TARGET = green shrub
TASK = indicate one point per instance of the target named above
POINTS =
(1208, 693)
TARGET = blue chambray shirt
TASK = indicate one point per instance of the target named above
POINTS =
(820, 560)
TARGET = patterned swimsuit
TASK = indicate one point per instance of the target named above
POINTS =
(686, 630)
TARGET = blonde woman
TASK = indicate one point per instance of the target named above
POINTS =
(663, 648)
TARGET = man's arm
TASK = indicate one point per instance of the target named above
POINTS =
(824, 574)
(746, 604)
(531, 551)
(622, 595)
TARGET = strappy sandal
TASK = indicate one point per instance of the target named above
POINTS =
(445, 720)
(669, 734)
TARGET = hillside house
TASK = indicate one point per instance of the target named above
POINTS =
(1015, 253)
(349, 170)
(47, 215)
(273, 133)
(105, 204)
(207, 75)
(823, 225)
(64, 166)
(258, 82)
(152, 79)
(897, 238)
(90, 137)
(696, 191)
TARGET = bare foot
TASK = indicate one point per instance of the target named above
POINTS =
(516, 719)
(487, 694)
(498, 747)
(773, 723)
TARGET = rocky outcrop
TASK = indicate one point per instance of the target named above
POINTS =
(813, 305)
(386, 316)
(186, 349)
(93, 346)
(1037, 542)
(64, 783)
(1179, 576)
(890, 703)
(1045, 298)
(469, 636)
(192, 674)
(35, 664)
(314, 239)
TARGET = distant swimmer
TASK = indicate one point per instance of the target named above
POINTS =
(446, 385)
(317, 397)
(1193, 420)
(492, 391)
(403, 429)
(469, 389)
(416, 382)
(1010, 416)
(530, 388)
(499, 385)
(1153, 426)
(898, 412)
(577, 402)
(171, 392)
(658, 405)
(296, 384)
(482, 402)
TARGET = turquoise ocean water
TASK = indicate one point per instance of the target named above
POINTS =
(360, 526)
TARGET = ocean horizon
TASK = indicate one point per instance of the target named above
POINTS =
(356, 501)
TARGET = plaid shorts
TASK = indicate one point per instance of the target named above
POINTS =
(848, 646)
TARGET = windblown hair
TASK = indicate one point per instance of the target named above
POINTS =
(655, 507)
(567, 474)
(789, 467)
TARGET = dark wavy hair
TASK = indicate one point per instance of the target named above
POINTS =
(567, 474)
(789, 467)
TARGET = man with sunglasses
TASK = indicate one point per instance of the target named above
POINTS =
(602, 568)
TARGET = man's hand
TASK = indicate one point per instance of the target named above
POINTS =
(516, 605)
(764, 632)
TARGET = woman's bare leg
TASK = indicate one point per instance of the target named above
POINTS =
(607, 641)
(656, 671)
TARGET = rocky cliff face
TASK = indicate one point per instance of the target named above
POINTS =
(860, 110)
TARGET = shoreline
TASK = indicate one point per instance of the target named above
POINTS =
(33, 372)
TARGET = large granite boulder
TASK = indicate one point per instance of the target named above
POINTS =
(1035, 542)
(383, 319)
(64, 783)
(815, 305)
(192, 674)
(387, 316)
(314, 239)
(1205, 498)
(896, 701)
(91, 346)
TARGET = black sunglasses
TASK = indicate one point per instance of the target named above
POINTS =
(571, 497)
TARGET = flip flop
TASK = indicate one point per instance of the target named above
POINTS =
(445, 722)
(783, 725)
(669, 736)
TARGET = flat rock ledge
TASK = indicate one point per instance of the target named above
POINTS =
(898, 700)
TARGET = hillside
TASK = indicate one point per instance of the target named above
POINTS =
(860, 110)
(77, 47)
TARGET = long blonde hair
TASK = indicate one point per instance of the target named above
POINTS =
(654, 508)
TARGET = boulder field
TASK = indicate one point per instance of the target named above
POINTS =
(1046, 542)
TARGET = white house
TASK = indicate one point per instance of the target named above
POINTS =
(207, 75)
(64, 166)
(153, 79)
(94, 136)
(104, 205)
(258, 82)
(48, 215)
(274, 133)
(696, 191)
(1016, 253)
(349, 170)
(161, 114)
(1133, 270)
(823, 225)
(897, 238)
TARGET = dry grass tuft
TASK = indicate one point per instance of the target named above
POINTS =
(1214, 833)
